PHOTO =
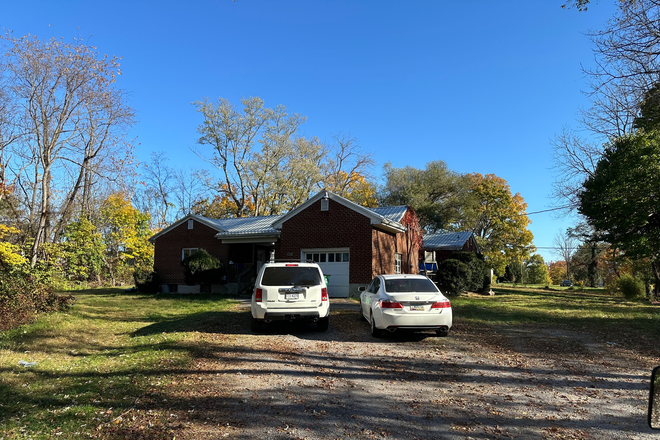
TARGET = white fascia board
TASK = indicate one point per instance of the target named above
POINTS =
(200, 219)
(376, 219)
(389, 226)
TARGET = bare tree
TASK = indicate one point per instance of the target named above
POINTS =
(70, 114)
(626, 67)
(159, 183)
(234, 136)
(266, 167)
(575, 159)
(627, 50)
(565, 246)
(190, 186)
(348, 164)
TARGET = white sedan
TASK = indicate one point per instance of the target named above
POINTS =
(410, 302)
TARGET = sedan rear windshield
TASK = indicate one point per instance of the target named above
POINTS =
(410, 285)
(291, 276)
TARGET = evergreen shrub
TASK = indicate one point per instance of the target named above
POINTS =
(630, 287)
(453, 277)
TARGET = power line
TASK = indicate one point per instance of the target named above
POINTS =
(571, 248)
(551, 209)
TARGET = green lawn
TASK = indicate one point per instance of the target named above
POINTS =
(588, 310)
(94, 362)
(113, 351)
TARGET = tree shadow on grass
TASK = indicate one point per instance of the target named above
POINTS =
(228, 322)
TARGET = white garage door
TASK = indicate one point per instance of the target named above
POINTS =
(335, 265)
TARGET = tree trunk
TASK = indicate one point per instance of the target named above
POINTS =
(655, 267)
(43, 226)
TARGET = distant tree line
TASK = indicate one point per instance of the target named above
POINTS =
(447, 201)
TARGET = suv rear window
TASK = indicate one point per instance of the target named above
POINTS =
(410, 285)
(291, 276)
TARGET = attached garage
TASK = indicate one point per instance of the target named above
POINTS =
(335, 264)
(351, 243)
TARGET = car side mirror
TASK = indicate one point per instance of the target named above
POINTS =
(362, 288)
(654, 399)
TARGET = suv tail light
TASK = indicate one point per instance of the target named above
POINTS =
(441, 305)
(387, 304)
(291, 265)
(258, 295)
(324, 294)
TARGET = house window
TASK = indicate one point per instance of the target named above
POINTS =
(190, 224)
(186, 252)
(397, 263)
(328, 257)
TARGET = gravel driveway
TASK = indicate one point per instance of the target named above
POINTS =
(529, 383)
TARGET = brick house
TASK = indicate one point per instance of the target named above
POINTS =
(351, 243)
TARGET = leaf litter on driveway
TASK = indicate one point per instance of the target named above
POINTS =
(295, 383)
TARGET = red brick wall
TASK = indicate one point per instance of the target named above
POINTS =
(168, 248)
(409, 242)
(384, 247)
(339, 227)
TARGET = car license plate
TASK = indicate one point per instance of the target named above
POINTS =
(291, 296)
(417, 308)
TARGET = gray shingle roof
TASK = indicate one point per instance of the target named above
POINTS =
(393, 213)
(446, 240)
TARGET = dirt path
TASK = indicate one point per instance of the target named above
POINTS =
(527, 383)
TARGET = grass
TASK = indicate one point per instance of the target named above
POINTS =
(116, 354)
(556, 287)
(97, 361)
(587, 310)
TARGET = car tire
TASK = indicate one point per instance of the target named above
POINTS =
(375, 332)
(256, 325)
(322, 324)
(442, 333)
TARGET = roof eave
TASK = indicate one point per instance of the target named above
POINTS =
(375, 218)
(248, 238)
(388, 226)
(202, 220)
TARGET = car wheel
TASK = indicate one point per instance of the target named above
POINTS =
(256, 325)
(442, 333)
(322, 324)
(375, 332)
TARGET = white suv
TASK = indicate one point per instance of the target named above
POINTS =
(290, 292)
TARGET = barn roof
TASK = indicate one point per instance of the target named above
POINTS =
(393, 213)
(451, 241)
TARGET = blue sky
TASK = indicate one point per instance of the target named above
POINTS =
(482, 85)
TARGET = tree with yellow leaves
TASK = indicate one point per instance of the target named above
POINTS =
(220, 207)
(499, 221)
(126, 233)
(355, 187)
(10, 255)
